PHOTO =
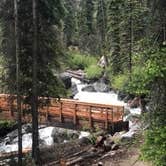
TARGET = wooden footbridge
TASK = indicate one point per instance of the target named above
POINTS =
(67, 111)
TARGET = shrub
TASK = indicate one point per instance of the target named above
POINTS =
(154, 148)
(134, 83)
(6, 124)
(6, 127)
(81, 61)
(119, 81)
(93, 72)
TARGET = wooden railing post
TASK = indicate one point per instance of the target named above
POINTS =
(90, 118)
(60, 112)
(106, 119)
(112, 119)
(75, 115)
(47, 111)
(123, 113)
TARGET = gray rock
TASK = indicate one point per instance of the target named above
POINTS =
(117, 137)
(99, 133)
(122, 95)
(108, 143)
(115, 147)
(74, 89)
(84, 141)
(59, 135)
(100, 86)
(66, 79)
(89, 88)
(100, 164)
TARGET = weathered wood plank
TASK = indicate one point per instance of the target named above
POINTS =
(68, 109)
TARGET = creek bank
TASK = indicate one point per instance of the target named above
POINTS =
(6, 127)
(77, 144)
(47, 137)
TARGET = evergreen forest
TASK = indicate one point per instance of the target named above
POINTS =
(120, 41)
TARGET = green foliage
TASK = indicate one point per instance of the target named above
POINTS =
(6, 127)
(119, 81)
(154, 148)
(138, 83)
(134, 83)
(156, 65)
(50, 14)
(69, 22)
(94, 72)
(114, 15)
(88, 63)
(81, 61)
(101, 24)
(143, 74)
(6, 124)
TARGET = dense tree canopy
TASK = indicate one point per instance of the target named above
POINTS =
(131, 34)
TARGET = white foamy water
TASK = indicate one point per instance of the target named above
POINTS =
(44, 135)
(96, 97)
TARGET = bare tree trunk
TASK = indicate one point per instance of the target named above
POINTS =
(35, 134)
(17, 48)
(131, 38)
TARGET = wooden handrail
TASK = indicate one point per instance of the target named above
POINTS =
(74, 109)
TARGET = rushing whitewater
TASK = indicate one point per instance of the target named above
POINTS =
(44, 134)
(96, 97)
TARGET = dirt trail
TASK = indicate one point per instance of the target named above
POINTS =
(129, 157)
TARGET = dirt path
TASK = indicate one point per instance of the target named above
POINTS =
(124, 157)
(130, 158)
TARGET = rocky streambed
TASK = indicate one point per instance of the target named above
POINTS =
(61, 140)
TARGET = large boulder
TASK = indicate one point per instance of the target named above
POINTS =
(100, 86)
(122, 95)
(66, 79)
(60, 135)
(134, 103)
(74, 90)
(89, 88)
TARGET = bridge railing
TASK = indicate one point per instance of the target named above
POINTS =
(71, 109)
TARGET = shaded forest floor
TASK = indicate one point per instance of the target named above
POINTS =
(128, 154)
(125, 157)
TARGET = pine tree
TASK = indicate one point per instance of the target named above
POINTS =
(17, 48)
(114, 15)
(102, 24)
(70, 22)
(46, 50)
(87, 38)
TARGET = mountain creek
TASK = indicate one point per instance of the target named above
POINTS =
(106, 145)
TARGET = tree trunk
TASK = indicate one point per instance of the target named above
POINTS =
(17, 48)
(131, 38)
(34, 106)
